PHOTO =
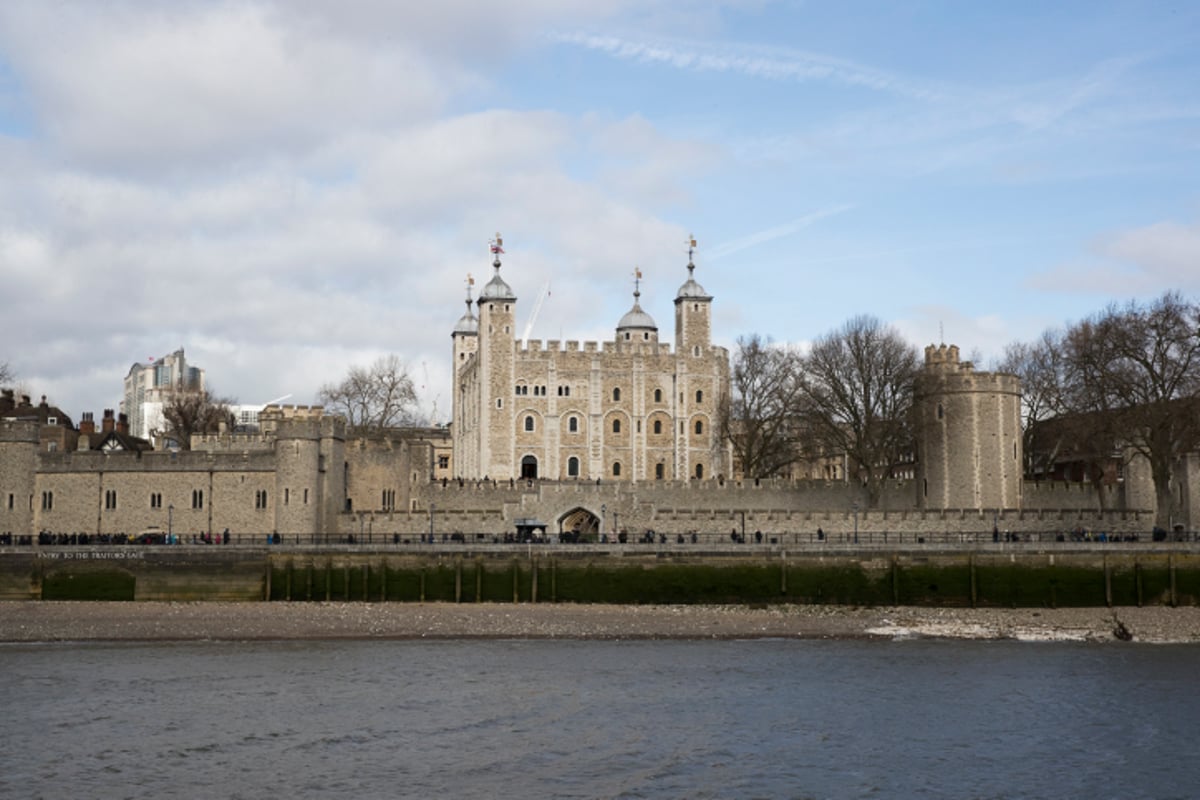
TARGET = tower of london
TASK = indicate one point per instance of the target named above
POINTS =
(630, 409)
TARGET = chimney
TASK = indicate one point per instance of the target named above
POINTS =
(87, 424)
(109, 422)
(123, 424)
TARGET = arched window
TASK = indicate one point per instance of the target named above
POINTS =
(572, 467)
(616, 394)
(658, 426)
(658, 395)
(699, 470)
(699, 427)
(699, 396)
(529, 423)
(616, 469)
(616, 426)
(573, 424)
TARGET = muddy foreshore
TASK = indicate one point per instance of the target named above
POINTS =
(100, 621)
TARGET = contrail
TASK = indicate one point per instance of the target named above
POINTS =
(778, 232)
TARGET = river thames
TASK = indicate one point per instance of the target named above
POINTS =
(600, 719)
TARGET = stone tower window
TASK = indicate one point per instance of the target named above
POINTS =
(699, 427)
(699, 471)
(529, 423)
(627, 336)
(573, 424)
(658, 426)
(617, 395)
(658, 395)
(941, 411)
(616, 469)
(658, 471)
(616, 426)
(699, 396)
(572, 467)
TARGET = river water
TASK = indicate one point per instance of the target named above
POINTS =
(600, 719)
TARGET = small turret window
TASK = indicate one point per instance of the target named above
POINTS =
(658, 426)
(658, 395)
(616, 469)
(699, 470)
(616, 426)
(616, 395)
(529, 423)
(699, 396)
(941, 411)
(573, 424)
(699, 427)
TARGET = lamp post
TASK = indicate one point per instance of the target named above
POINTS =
(603, 509)
(170, 519)
(855, 507)
(432, 507)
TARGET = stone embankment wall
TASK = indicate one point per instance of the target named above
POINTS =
(982, 575)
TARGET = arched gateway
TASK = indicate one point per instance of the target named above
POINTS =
(578, 521)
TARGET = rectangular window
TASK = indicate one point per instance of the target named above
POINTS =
(47, 501)
(197, 499)
(11, 497)
(287, 495)
(443, 462)
(306, 497)
(110, 499)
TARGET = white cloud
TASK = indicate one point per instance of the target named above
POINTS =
(1139, 262)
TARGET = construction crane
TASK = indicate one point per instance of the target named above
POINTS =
(433, 421)
(537, 306)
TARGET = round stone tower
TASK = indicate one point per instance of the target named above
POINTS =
(968, 429)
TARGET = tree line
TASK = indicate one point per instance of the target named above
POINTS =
(371, 399)
(1120, 384)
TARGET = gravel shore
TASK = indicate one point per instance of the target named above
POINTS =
(99, 621)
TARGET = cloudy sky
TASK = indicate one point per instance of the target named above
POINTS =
(288, 188)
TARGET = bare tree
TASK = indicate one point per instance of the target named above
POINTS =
(857, 388)
(1042, 367)
(759, 419)
(7, 374)
(1133, 374)
(187, 412)
(373, 398)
